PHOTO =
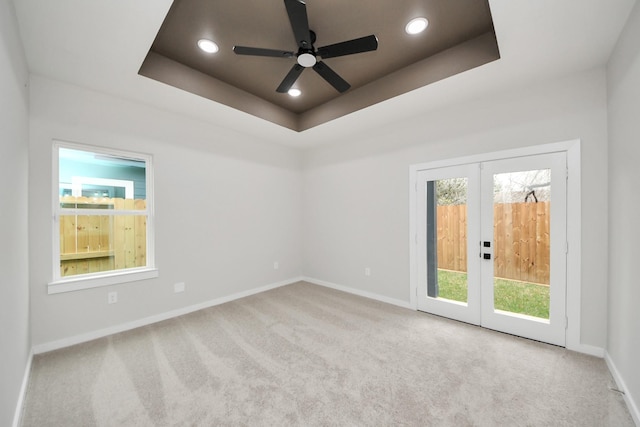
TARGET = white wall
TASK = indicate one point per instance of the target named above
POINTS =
(356, 198)
(14, 273)
(227, 207)
(624, 201)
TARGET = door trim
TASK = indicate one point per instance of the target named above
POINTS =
(572, 148)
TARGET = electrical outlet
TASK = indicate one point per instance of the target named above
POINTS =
(112, 297)
(276, 265)
(367, 271)
(178, 287)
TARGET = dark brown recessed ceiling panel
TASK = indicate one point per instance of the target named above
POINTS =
(460, 36)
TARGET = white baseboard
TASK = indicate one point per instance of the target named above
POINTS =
(370, 295)
(631, 403)
(77, 339)
(23, 391)
(587, 349)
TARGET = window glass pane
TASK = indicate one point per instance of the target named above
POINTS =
(96, 243)
(89, 180)
(447, 239)
(522, 229)
(99, 194)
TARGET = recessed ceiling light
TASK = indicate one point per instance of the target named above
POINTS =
(416, 25)
(295, 92)
(207, 45)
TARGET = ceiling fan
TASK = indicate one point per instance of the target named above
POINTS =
(307, 55)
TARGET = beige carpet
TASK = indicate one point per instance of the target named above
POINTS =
(306, 355)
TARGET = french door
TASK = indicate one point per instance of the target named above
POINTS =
(491, 244)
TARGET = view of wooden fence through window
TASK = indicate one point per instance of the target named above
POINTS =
(521, 240)
(95, 243)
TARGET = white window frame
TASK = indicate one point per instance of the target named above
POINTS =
(106, 278)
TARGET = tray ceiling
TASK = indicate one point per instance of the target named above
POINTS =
(460, 36)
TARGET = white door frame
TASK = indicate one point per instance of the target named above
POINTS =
(572, 148)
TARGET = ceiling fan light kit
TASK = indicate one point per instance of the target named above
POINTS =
(307, 60)
(307, 55)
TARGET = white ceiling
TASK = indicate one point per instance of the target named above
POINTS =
(101, 45)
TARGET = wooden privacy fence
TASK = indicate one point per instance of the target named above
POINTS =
(520, 242)
(94, 243)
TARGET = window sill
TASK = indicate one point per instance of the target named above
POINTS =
(88, 281)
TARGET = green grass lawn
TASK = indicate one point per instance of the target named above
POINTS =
(517, 297)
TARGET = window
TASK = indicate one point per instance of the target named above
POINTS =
(103, 217)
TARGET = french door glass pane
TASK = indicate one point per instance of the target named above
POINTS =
(521, 226)
(447, 239)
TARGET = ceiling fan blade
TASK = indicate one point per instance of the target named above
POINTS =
(331, 77)
(363, 44)
(257, 51)
(297, 10)
(290, 78)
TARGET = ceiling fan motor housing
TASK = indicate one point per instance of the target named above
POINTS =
(306, 55)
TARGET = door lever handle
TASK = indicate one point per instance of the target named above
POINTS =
(485, 244)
